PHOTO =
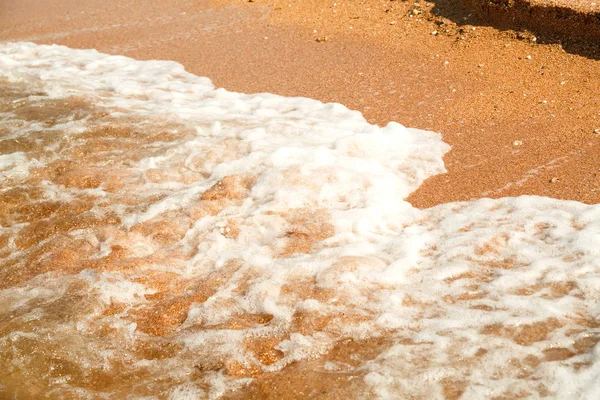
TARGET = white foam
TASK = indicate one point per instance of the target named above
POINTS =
(467, 292)
(16, 165)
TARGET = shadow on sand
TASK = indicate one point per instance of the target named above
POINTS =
(577, 32)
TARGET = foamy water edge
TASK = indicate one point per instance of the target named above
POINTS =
(284, 224)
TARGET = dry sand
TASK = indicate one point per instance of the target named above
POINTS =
(519, 115)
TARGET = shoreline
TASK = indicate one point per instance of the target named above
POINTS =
(520, 117)
(180, 241)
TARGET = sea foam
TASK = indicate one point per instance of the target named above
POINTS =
(160, 237)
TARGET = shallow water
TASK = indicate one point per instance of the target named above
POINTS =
(159, 237)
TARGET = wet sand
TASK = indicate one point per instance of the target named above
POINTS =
(521, 116)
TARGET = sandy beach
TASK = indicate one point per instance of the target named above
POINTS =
(520, 116)
(470, 282)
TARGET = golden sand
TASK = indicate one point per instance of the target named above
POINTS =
(521, 117)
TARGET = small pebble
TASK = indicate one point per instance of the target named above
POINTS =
(517, 142)
(553, 180)
(597, 131)
(528, 57)
(434, 33)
